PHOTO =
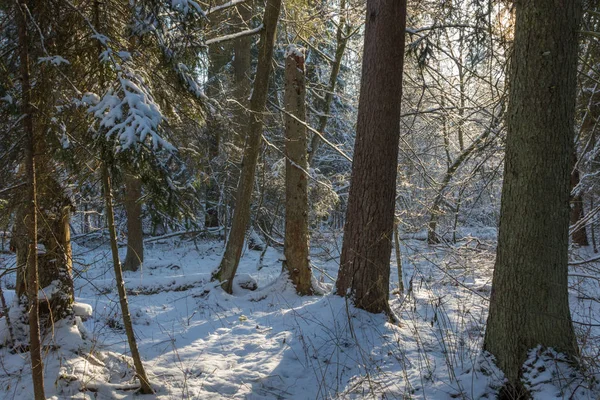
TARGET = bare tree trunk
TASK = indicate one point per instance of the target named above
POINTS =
(529, 304)
(365, 261)
(30, 219)
(135, 354)
(135, 231)
(296, 181)
(241, 216)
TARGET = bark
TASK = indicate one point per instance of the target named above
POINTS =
(56, 262)
(366, 250)
(135, 354)
(529, 304)
(241, 216)
(30, 219)
(135, 231)
(296, 181)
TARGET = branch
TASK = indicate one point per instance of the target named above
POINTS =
(233, 36)
(229, 4)
(313, 130)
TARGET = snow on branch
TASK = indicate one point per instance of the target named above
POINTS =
(129, 112)
(229, 4)
(236, 35)
(185, 6)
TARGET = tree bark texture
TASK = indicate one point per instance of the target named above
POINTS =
(135, 231)
(30, 219)
(296, 242)
(241, 216)
(529, 304)
(366, 250)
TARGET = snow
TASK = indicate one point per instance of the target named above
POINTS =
(54, 60)
(185, 6)
(129, 112)
(82, 310)
(294, 50)
(198, 342)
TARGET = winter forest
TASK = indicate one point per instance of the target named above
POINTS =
(299, 199)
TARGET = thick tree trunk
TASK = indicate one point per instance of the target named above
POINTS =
(529, 304)
(296, 181)
(135, 231)
(56, 262)
(241, 216)
(365, 261)
(30, 218)
(110, 215)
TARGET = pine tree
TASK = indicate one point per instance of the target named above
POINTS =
(366, 250)
(529, 304)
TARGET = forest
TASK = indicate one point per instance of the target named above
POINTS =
(299, 199)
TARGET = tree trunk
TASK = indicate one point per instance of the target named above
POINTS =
(135, 231)
(296, 181)
(30, 219)
(110, 215)
(365, 261)
(56, 262)
(241, 216)
(529, 304)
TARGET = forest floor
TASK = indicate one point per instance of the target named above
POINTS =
(198, 342)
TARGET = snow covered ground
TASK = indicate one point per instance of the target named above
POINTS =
(201, 343)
